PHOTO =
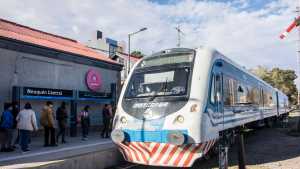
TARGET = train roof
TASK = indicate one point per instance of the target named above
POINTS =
(230, 61)
(212, 52)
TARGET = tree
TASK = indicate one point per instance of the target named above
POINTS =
(281, 79)
(137, 54)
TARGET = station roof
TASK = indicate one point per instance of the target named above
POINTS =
(33, 36)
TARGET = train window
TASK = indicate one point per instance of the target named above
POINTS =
(215, 87)
(240, 89)
(242, 94)
(254, 95)
(212, 91)
(229, 87)
(262, 98)
(268, 99)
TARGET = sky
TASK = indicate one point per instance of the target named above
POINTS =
(247, 31)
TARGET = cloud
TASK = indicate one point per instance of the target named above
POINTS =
(250, 37)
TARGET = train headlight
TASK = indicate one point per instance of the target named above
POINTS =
(117, 136)
(180, 119)
(176, 137)
(123, 120)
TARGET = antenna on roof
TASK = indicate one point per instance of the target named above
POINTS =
(179, 33)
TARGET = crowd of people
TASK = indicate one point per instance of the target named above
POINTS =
(16, 125)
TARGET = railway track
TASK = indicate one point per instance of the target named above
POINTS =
(125, 166)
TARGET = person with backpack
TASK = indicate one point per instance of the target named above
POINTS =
(26, 124)
(6, 125)
(62, 117)
(84, 119)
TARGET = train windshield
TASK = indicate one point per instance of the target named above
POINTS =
(161, 76)
(166, 82)
(159, 84)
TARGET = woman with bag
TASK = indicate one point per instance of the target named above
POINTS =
(26, 124)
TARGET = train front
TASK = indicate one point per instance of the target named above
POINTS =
(156, 121)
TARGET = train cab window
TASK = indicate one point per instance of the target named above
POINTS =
(215, 87)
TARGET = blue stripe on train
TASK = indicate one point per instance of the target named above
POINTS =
(159, 136)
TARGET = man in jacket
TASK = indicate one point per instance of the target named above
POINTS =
(47, 121)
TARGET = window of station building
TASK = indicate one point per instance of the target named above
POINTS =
(112, 50)
(121, 61)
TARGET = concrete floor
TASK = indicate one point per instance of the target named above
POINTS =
(40, 155)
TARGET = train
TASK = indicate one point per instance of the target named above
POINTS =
(176, 102)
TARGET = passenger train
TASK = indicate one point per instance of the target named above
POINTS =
(175, 103)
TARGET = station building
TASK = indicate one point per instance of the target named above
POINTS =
(36, 66)
(115, 50)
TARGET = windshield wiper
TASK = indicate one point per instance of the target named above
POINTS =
(163, 87)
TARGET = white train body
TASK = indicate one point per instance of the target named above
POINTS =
(175, 103)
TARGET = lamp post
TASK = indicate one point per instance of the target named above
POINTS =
(129, 36)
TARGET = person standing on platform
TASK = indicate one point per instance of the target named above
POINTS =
(15, 111)
(47, 121)
(26, 123)
(84, 119)
(107, 117)
(6, 125)
(62, 117)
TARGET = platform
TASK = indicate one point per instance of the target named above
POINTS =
(76, 154)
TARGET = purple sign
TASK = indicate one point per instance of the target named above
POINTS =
(93, 80)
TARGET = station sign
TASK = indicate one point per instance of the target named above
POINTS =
(93, 95)
(45, 92)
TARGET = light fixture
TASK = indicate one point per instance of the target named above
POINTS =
(180, 119)
(123, 120)
(117, 136)
(176, 138)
